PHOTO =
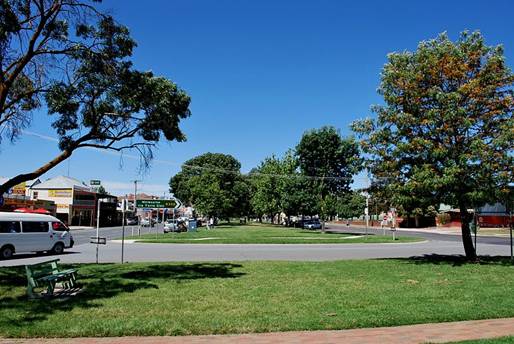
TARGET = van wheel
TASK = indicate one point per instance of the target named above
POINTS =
(58, 248)
(6, 252)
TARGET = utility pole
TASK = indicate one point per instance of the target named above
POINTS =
(135, 206)
(366, 211)
(135, 197)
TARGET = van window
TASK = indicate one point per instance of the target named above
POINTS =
(57, 226)
(35, 227)
(9, 227)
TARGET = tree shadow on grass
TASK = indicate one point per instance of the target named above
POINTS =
(186, 272)
(458, 260)
(100, 282)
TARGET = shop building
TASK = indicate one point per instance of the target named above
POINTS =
(18, 198)
(75, 201)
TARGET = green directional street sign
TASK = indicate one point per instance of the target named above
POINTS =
(156, 203)
(94, 182)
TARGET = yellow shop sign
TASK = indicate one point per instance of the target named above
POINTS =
(59, 193)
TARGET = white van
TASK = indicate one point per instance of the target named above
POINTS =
(25, 232)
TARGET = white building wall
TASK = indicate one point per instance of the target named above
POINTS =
(59, 196)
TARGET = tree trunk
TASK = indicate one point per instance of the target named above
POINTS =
(37, 173)
(467, 239)
(416, 221)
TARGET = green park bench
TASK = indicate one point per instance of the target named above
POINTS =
(46, 275)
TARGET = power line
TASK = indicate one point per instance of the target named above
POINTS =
(260, 174)
(210, 168)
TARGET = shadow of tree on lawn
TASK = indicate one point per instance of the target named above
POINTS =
(457, 260)
(100, 282)
(186, 272)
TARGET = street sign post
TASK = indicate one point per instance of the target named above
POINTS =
(158, 203)
(98, 240)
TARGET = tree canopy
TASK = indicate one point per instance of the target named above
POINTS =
(278, 187)
(330, 161)
(351, 205)
(446, 131)
(75, 60)
(213, 184)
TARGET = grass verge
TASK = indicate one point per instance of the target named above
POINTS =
(499, 340)
(214, 298)
(255, 234)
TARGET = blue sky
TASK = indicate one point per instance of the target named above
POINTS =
(260, 73)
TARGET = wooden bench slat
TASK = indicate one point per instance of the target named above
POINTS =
(43, 263)
(48, 274)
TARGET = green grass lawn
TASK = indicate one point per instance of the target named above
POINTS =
(257, 234)
(500, 340)
(207, 298)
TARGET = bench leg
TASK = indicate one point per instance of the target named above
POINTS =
(30, 291)
(73, 280)
(69, 281)
(50, 288)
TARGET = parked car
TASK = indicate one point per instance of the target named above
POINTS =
(170, 226)
(131, 221)
(312, 224)
(148, 222)
(22, 232)
(176, 225)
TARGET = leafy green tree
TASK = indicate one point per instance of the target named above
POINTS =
(73, 59)
(351, 205)
(101, 190)
(278, 187)
(331, 161)
(295, 190)
(39, 42)
(266, 182)
(446, 130)
(213, 184)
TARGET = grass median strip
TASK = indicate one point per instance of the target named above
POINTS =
(255, 234)
(500, 340)
(210, 298)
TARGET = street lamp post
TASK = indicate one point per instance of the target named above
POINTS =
(98, 227)
(123, 208)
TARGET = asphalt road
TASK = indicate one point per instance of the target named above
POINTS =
(82, 236)
(84, 252)
(492, 240)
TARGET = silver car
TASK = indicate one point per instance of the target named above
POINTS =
(171, 226)
(312, 224)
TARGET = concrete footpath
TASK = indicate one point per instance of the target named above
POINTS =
(411, 334)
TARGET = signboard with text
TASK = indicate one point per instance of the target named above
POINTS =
(94, 182)
(157, 203)
(19, 189)
(59, 193)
